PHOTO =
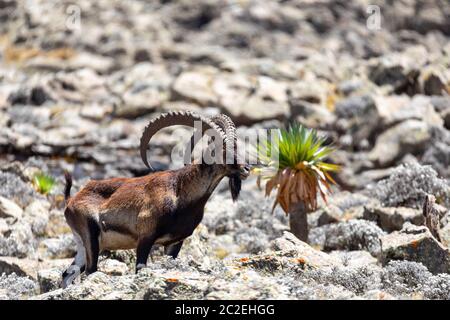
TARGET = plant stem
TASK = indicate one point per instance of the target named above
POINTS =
(298, 221)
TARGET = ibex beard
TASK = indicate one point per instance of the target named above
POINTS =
(159, 208)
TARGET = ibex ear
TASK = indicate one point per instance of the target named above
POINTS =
(235, 183)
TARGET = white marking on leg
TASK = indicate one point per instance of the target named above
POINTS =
(74, 270)
(141, 266)
(80, 258)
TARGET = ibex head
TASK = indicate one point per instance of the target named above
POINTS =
(221, 128)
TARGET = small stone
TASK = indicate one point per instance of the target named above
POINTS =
(354, 259)
(21, 267)
(58, 248)
(29, 267)
(444, 233)
(290, 246)
(446, 117)
(392, 218)
(49, 279)
(4, 227)
(355, 106)
(434, 81)
(113, 267)
(248, 100)
(196, 86)
(415, 243)
(37, 213)
(9, 209)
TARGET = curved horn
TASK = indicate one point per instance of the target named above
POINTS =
(186, 118)
(226, 124)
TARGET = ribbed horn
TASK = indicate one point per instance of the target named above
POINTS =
(227, 125)
(185, 118)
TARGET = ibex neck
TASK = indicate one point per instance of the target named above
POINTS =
(198, 181)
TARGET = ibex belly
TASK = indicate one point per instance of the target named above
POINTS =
(117, 231)
(181, 225)
(113, 240)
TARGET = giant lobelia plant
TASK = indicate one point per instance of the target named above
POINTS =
(297, 171)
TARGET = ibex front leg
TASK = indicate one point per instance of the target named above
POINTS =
(143, 250)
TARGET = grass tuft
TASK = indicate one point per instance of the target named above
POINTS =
(44, 183)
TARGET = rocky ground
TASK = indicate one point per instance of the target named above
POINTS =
(76, 94)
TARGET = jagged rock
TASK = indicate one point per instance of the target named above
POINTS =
(362, 180)
(126, 256)
(391, 218)
(349, 235)
(21, 267)
(113, 267)
(19, 241)
(248, 100)
(58, 248)
(446, 117)
(438, 153)
(146, 285)
(445, 235)
(36, 213)
(35, 96)
(342, 206)
(14, 287)
(56, 225)
(356, 106)
(9, 209)
(196, 86)
(238, 221)
(329, 214)
(415, 243)
(81, 60)
(394, 143)
(434, 81)
(290, 246)
(16, 189)
(358, 117)
(143, 88)
(399, 71)
(4, 227)
(49, 279)
(397, 108)
(354, 258)
(28, 267)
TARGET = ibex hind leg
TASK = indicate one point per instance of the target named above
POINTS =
(78, 265)
(92, 245)
(173, 249)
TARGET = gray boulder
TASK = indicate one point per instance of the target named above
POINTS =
(415, 243)
(15, 287)
(348, 235)
(49, 279)
(9, 209)
(408, 186)
(396, 142)
(393, 218)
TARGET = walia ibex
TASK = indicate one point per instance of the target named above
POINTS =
(159, 208)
